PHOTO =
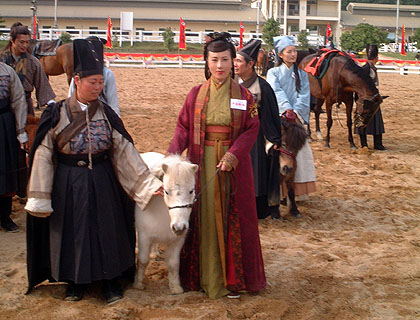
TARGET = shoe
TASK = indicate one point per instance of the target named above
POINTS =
(377, 140)
(112, 291)
(8, 225)
(233, 295)
(74, 292)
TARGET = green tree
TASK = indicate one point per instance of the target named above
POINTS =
(65, 37)
(168, 39)
(362, 35)
(416, 37)
(271, 29)
(303, 39)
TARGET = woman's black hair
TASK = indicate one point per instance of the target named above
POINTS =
(295, 71)
(218, 42)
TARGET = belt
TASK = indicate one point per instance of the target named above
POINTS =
(217, 133)
(82, 160)
(5, 105)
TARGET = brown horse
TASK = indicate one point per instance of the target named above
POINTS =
(342, 78)
(61, 62)
(294, 136)
(261, 65)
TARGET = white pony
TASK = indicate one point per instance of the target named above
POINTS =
(165, 219)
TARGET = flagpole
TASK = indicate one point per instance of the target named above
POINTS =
(55, 14)
(397, 23)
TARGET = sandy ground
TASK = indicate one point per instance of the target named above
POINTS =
(355, 254)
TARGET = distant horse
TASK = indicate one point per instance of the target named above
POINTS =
(341, 79)
(261, 65)
(166, 220)
(30, 128)
(294, 136)
(61, 62)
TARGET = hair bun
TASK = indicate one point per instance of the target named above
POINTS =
(222, 36)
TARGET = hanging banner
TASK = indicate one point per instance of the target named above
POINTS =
(109, 34)
(329, 31)
(182, 42)
(241, 35)
(403, 41)
(34, 28)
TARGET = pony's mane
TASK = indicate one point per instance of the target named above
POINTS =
(361, 73)
(178, 165)
(295, 136)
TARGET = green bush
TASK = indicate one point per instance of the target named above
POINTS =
(168, 39)
(362, 35)
(303, 39)
(271, 29)
(65, 37)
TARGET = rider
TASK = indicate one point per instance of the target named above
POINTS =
(27, 67)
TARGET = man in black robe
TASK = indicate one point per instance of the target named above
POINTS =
(265, 163)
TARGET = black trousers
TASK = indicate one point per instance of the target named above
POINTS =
(5, 207)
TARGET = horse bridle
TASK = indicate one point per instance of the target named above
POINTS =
(287, 152)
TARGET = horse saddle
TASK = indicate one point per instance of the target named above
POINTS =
(319, 64)
(46, 48)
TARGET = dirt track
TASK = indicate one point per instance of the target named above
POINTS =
(355, 254)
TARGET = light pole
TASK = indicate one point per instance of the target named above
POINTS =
(55, 14)
(34, 24)
(397, 23)
(413, 15)
(258, 15)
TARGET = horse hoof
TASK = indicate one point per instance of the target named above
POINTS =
(353, 147)
(177, 290)
(327, 145)
(297, 215)
(319, 136)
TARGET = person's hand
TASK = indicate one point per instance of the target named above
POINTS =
(276, 147)
(24, 147)
(224, 166)
(159, 192)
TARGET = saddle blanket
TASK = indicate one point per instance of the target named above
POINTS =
(46, 48)
(324, 55)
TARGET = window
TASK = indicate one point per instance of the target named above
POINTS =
(69, 28)
(91, 31)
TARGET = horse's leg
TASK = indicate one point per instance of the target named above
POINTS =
(329, 122)
(172, 255)
(294, 211)
(143, 260)
(317, 111)
(349, 109)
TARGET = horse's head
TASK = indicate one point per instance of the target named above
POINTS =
(366, 109)
(178, 176)
(293, 137)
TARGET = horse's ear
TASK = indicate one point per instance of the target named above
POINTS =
(384, 97)
(194, 167)
(164, 167)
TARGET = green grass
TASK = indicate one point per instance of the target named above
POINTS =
(398, 56)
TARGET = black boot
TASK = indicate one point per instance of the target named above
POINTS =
(5, 210)
(75, 291)
(377, 141)
(112, 290)
(363, 140)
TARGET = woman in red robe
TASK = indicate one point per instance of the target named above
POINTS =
(218, 124)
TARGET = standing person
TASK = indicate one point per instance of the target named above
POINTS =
(81, 224)
(376, 126)
(291, 87)
(109, 94)
(13, 112)
(27, 67)
(265, 166)
(218, 124)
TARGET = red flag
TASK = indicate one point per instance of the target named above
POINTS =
(329, 31)
(109, 34)
(182, 44)
(403, 41)
(241, 35)
(34, 29)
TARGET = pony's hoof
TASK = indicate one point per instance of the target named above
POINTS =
(296, 214)
(327, 145)
(177, 290)
(319, 136)
(138, 285)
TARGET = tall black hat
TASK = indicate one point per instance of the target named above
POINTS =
(88, 57)
(371, 51)
(250, 50)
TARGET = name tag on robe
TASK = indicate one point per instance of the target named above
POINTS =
(238, 104)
